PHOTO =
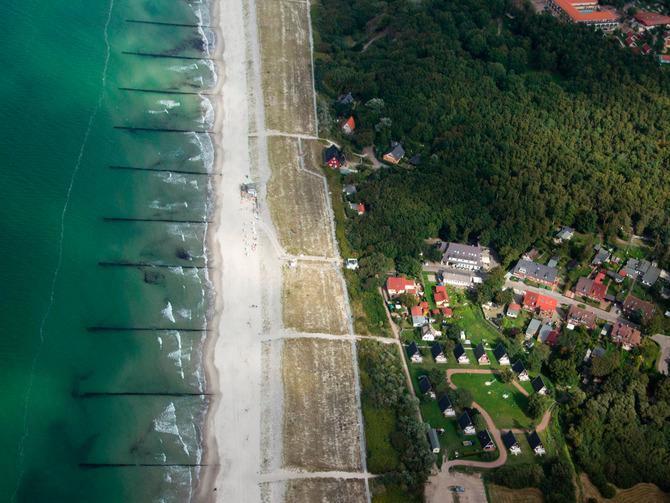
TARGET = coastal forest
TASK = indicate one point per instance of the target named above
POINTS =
(522, 124)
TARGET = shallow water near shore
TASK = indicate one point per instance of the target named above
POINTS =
(74, 398)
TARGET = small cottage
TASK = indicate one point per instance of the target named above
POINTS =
(460, 354)
(538, 386)
(413, 353)
(445, 406)
(438, 354)
(501, 355)
(536, 444)
(481, 356)
(520, 370)
(465, 423)
(510, 442)
(486, 441)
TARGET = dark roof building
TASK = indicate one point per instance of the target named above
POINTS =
(332, 157)
(465, 422)
(395, 153)
(536, 272)
(535, 443)
(510, 441)
(344, 99)
(424, 385)
(415, 160)
(633, 304)
(518, 366)
(412, 350)
(437, 352)
(500, 354)
(459, 351)
(486, 441)
(444, 404)
(538, 385)
(479, 351)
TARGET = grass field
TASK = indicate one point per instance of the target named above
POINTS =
(304, 290)
(297, 201)
(312, 152)
(500, 494)
(505, 412)
(325, 490)
(647, 493)
(475, 326)
(321, 430)
(286, 65)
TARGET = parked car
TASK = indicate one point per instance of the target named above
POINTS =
(459, 489)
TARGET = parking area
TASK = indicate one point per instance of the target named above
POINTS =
(439, 488)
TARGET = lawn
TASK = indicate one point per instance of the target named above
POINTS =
(520, 321)
(505, 412)
(476, 328)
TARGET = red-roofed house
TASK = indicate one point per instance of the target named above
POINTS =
(630, 42)
(536, 302)
(416, 311)
(349, 125)
(649, 19)
(627, 336)
(424, 306)
(600, 277)
(513, 310)
(441, 299)
(584, 11)
(446, 312)
(552, 338)
(646, 49)
(589, 288)
(360, 209)
(397, 286)
(664, 59)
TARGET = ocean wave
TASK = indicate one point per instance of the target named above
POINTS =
(167, 312)
(169, 103)
(183, 68)
(167, 423)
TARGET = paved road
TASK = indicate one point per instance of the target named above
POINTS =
(664, 360)
(610, 317)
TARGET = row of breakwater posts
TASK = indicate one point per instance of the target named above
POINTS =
(132, 129)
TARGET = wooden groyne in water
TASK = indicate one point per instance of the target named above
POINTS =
(146, 329)
(151, 55)
(143, 465)
(159, 23)
(143, 264)
(164, 220)
(162, 130)
(161, 91)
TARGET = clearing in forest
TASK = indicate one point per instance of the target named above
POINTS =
(649, 493)
(321, 430)
(283, 28)
(325, 490)
(297, 202)
(313, 299)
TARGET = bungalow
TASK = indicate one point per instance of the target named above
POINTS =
(536, 272)
(521, 371)
(344, 99)
(646, 49)
(461, 355)
(462, 256)
(601, 257)
(349, 190)
(501, 355)
(513, 310)
(438, 353)
(395, 153)
(536, 444)
(633, 304)
(349, 126)
(589, 288)
(465, 423)
(428, 333)
(538, 303)
(565, 233)
(625, 335)
(538, 386)
(418, 319)
(397, 286)
(425, 388)
(486, 441)
(413, 353)
(359, 208)
(553, 261)
(481, 356)
(651, 276)
(446, 312)
(441, 298)
(434, 441)
(510, 442)
(332, 157)
(533, 327)
(578, 316)
(445, 406)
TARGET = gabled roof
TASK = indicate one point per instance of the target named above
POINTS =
(632, 304)
(441, 297)
(484, 438)
(424, 385)
(432, 438)
(537, 300)
(626, 334)
(518, 366)
(332, 152)
(537, 384)
(651, 18)
(444, 403)
(412, 349)
(395, 283)
(580, 315)
(415, 160)
(396, 151)
(416, 311)
(436, 350)
(534, 440)
(509, 439)
(513, 307)
(345, 99)
(351, 123)
(479, 351)
(459, 351)
(464, 420)
(533, 326)
(535, 270)
(597, 352)
(499, 352)
(349, 189)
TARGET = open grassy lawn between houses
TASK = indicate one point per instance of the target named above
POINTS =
(505, 412)
(476, 328)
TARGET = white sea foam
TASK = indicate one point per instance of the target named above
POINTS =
(167, 312)
(167, 423)
(160, 343)
(156, 205)
(208, 112)
(169, 103)
(184, 313)
(183, 68)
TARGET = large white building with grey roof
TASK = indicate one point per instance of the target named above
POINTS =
(462, 256)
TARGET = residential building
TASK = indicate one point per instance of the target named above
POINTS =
(398, 285)
(525, 269)
(597, 352)
(438, 353)
(538, 385)
(648, 20)
(415, 160)
(538, 303)
(665, 58)
(530, 255)
(461, 355)
(445, 406)
(486, 441)
(349, 190)
(395, 153)
(428, 333)
(545, 330)
(465, 423)
(332, 157)
(565, 234)
(425, 388)
(632, 304)
(446, 312)
(584, 11)
(536, 444)
(481, 356)
(607, 328)
(646, 49)
(520, 370)
(589, 288)
(440, 297)
(351, 263)
(349, 126)
(533, 327)
(578, 316)
(454, 278)
(501, 355)
(418, 319)
(552, 338)
(601, 257)
(462, 256)
(413, 353)
(344, 99)
(513, 310)
(511, 443)
(651, 276)
(626, 335)
(434, 441)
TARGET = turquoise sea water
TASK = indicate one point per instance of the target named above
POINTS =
(62, 65)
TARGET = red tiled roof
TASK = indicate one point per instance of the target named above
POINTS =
(446, 311)
(397, 284)
(361, 208)
(651, 18)
(534, 300)
(441, 297)
(423, 305)
(552, 338)
(646, 49)
(416, 311)
(626, 335)
(351, 122)
(630, 42)
(598, 290)
(599, 277)
(571, 11)
(440, 288)
(664, 58)
(514, 307)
